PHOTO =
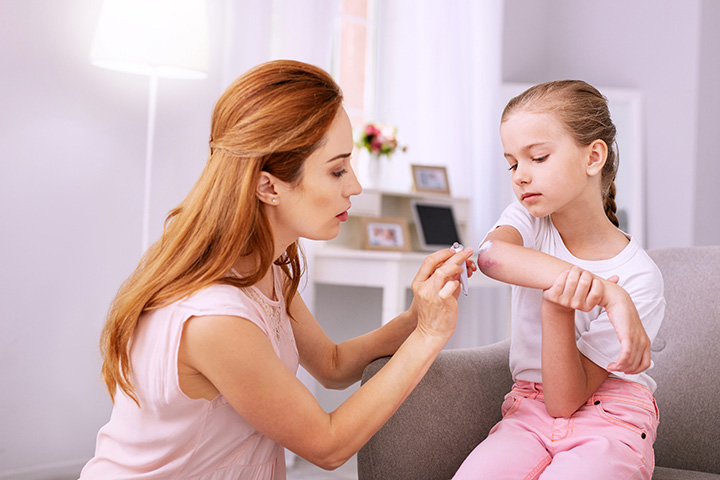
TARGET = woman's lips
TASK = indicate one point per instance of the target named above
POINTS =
(343, 216)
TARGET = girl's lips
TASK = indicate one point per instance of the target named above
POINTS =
(343, 216)
(530, 196)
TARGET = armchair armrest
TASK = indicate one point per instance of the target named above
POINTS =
(450, 411)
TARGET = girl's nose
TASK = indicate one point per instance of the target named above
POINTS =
(521, 176)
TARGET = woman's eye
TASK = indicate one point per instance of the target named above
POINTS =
(540, 159)
(340, 173)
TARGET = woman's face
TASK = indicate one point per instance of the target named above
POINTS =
(317, 206)
(548, 168)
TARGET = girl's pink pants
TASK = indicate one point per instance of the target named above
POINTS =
(610, 437)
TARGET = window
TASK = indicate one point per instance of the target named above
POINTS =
(354, 58)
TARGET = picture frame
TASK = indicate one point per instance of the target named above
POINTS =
(430, 179)
(386, 233)
(435, 224)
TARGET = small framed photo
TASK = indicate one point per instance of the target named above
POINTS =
(386, 234)
(430, 179)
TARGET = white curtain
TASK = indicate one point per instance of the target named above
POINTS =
(438, 78)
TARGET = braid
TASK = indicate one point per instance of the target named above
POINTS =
(610, 206)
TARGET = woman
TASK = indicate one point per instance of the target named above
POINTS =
(203, 340)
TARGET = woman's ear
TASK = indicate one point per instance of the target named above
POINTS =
(266, 189)
(597, 155)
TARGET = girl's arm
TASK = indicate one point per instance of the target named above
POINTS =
(237, 359)
(502, 257)
(569, 378)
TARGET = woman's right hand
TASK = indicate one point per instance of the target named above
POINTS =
(436, 289)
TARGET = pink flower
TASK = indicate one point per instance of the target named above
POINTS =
(378, 139)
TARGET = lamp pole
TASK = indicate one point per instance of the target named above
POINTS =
(152, 107)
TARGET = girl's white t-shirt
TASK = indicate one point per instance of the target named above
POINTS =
(595, 335)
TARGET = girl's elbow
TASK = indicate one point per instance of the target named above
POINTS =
(487, 259)
(560, 410)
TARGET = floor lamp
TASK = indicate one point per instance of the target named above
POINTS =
(157, 38)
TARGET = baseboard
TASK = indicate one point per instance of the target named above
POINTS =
(52, 471)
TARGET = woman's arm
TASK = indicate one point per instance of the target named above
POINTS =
(340, 365)
(502, 257)
(238, 360)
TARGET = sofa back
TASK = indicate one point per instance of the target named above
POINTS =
(686, 353)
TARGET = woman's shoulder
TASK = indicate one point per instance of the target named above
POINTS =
(217, 299)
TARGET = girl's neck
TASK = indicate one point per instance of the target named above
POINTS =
(589, 235)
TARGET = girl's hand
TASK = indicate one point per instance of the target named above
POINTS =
(575, 289)
(635, 344)
(580, 290)
(436, 289)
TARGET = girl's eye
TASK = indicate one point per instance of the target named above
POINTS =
(513, 167)
(340, 173)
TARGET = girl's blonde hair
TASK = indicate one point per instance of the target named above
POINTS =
(270, 119)
(584, 112)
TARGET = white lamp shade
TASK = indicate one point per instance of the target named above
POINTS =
(166, 38)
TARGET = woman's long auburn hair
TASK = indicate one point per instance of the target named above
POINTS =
(584, 112)
(270, 119)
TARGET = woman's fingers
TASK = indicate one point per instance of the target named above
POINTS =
(449, 289)
(431, 263)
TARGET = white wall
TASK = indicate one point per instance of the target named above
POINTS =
(656, 47)
(707, 172)
(72, 143)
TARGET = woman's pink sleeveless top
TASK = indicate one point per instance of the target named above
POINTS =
(172, 436)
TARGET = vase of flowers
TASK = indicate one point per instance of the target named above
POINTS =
(381, 142)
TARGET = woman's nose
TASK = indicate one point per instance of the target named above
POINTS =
(353, 187)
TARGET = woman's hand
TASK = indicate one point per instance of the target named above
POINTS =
(435, 289)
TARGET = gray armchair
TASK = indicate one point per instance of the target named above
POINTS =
(458, 401)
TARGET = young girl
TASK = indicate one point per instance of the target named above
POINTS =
(203, 340)
(586, 301)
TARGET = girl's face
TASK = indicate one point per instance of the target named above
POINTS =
(549, 170)
(317, 206)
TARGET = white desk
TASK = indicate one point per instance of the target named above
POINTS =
(391, 271)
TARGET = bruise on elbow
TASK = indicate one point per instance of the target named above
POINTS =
(485, 260)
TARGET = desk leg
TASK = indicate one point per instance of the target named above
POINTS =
(393, 300)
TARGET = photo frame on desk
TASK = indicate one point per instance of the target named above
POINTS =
(430, 179)
(435, 224)
(386, 233)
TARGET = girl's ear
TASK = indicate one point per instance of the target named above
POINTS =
(597, 155)
(266, 189)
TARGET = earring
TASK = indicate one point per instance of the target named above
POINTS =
(274, 200)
